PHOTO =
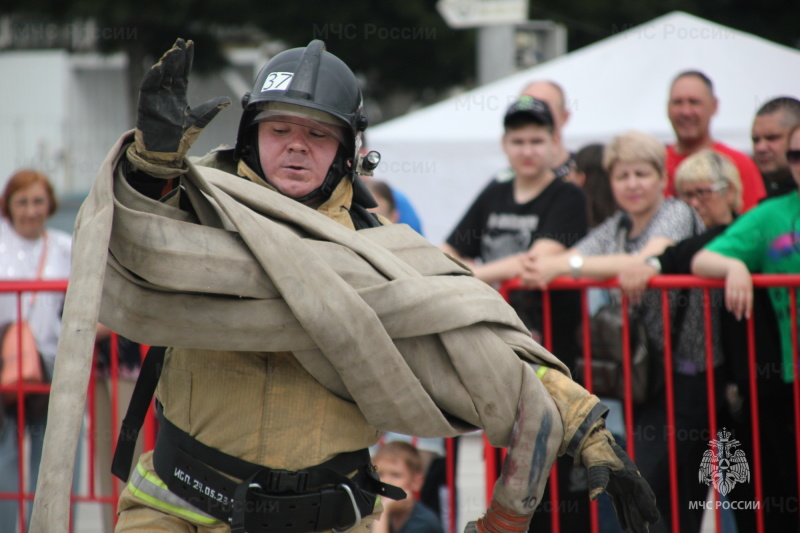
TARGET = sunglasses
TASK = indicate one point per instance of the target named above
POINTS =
(793, 156)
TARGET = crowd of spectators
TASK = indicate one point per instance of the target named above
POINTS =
(631, 210)
(643, 209)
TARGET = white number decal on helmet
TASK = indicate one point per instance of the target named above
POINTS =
(277, 81)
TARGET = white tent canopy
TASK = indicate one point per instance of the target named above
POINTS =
(441, 156)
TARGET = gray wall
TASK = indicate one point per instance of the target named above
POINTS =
(61, 112)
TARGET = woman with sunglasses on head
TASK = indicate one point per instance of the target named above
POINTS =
(766, 239)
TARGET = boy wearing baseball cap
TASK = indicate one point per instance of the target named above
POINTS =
(528, 208)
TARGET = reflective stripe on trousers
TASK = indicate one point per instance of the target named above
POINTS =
(146, 491)
(148, 486)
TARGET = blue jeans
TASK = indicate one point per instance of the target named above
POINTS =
(10, 461)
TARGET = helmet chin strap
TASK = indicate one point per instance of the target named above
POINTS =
(336, 173)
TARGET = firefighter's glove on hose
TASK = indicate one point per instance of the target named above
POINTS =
(611, 470)
(500, 520)
(590, 444)
(165, 125)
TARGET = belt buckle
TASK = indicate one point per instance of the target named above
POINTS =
(349, 492)
(280, 481)
(250, 486)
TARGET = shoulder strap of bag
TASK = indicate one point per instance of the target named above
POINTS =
(615, 295)
(39, 269)
(43, 258)
(680, 313)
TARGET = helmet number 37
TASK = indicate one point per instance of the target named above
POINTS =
(277, 81)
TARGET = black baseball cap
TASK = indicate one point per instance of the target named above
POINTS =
(528, 110)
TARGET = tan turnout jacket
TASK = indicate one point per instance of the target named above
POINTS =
(379, 317)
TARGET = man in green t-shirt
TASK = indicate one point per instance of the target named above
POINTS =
(766, 239)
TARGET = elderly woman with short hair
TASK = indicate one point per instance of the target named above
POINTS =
(28, 250)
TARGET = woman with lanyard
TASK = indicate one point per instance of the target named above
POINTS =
(29, 251)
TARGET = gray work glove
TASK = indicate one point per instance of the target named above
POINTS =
(611, 470)
(165, 124)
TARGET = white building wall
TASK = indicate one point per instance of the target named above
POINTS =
(33, 106)
(97, 116)
(60, 112)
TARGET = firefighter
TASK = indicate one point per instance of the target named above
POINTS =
(252, 440)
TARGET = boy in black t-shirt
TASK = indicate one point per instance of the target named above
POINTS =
(529, 208)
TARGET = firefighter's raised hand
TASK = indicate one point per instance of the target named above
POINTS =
(165, 124)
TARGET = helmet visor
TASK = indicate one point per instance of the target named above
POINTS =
(324, 122)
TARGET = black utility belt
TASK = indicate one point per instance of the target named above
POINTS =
(318, 498)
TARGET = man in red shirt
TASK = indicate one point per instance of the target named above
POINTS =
(691, 105)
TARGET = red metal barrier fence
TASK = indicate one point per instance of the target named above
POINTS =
(99, 434)
(662, 283)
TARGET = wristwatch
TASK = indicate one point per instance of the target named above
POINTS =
(576, 264)
(654, 262)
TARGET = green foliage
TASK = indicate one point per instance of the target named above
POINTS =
(151, 26)
(396, 46)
